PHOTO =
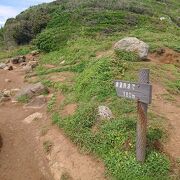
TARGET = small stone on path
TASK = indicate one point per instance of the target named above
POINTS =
(33, 117)
(2, 65)
(37, 102)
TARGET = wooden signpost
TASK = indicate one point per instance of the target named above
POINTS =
(142, 93)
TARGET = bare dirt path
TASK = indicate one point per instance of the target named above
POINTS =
(20, 157)
(171, 111)
(65, 158)
(23, 156)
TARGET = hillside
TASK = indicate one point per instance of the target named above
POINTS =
(77, 61)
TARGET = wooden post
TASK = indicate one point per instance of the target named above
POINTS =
(142, 120)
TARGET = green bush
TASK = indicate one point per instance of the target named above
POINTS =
(28, 24)
(1, 38)
(51, 39)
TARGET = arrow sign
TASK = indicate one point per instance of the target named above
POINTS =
(134, 91)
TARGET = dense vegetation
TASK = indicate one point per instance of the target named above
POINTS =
(75, 32)
(66, 19)
(1, 39)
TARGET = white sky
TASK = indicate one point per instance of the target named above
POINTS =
(11, 8)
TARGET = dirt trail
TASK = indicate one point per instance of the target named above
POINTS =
(23, 157)
(171, 111)
(65, 158)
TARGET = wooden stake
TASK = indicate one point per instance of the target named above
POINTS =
(142, 120)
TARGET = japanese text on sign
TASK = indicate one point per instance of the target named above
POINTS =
(134, 91)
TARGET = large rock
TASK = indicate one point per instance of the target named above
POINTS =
(31, 90)
(104, 112)
(132, 44)
(2, 65)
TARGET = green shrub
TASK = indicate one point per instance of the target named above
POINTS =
(23, 28)
(51, 39)
(1, 38)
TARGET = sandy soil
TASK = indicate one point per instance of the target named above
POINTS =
(171, 111)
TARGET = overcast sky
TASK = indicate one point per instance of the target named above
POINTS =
(11, 8)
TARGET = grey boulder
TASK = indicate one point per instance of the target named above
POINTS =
(32, 90)
(132, 44)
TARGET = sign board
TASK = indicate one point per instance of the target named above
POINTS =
(134, 91)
